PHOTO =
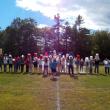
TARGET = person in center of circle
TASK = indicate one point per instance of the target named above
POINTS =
(53, 66)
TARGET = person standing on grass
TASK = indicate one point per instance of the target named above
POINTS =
(91, 64)
(77, 62)
(106, 65)
(53, 66)
(81, 65)
(59, 63)
(30, 63)
(50, 61)
(70, 66)
(19, 63)
(40, 63)
(87, 63)
(46, 65)
(27, 64)
(22, 62)
(67, 63)
(63, 64)
(35, 62)
(96, 61)
(5, 62)
(1, 62)
(15, 64)
(10, 62)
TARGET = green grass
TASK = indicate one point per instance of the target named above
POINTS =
(86, 93)
(32, 92)
(26, 92)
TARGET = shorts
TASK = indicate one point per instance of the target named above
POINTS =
(53, 70)
(35, 65)
(45, 66)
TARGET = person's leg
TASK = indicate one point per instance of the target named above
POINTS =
(95, 69)
(40, 68)
(98, 69)
(14, 67)
(1, 68)
(4, 67)
(91, 69)
(69, 70)
(21, 68)
(108, 70)
(82, 68)
(27, 68)
(45, 71)
(105, 70)
(72, 70)
(11, 68)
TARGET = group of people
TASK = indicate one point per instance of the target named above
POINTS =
(51, 64)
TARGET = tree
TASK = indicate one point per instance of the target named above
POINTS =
(80, 37)
(101, 43)
(22, 36)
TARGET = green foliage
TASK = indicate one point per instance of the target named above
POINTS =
(21, 37)
(101, 43)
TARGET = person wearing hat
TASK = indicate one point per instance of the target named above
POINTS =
(96, 61)
(91, 65)
(35, 62)
(106, 65)
(87, 63)
(10, 62)
(22, 62)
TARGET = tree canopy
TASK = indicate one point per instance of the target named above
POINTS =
(24, 36)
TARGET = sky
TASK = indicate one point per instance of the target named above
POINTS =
(96, 13)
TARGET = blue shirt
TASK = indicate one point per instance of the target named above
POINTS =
(53, 64)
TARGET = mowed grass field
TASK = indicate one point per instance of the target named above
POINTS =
(33, 92)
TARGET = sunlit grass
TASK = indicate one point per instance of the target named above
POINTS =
(26, 92)
(33, 92)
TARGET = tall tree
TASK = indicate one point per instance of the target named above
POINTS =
(101, 43)
(22, 36)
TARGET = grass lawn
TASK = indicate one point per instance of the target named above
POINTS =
(32, 92)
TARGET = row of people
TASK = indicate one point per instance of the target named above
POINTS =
(65, 63)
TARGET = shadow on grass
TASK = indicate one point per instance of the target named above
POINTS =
(54, 79)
